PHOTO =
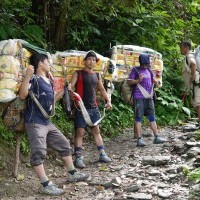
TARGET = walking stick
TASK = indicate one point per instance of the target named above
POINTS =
(17, 153)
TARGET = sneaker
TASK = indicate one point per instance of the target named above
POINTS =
(197, 126)
(140, 142)
(77, 176)
(159, 140)
(79, 162)
(51, 189)
(104, 158)
(190, 128)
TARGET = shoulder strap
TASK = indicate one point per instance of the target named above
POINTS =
(151, 74)
(44, 113)
(32, 96)
(186, 59)
(97, 75)
(79, 83)
(136, 70)
(143, 90)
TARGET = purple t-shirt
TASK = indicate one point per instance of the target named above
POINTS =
(146, 83)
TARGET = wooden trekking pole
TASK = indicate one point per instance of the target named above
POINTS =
(18, 133)
(17, 153)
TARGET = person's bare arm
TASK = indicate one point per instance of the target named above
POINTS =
(73, 81)
(59, 95)
(104, 94)
(24, 87)
(135, 81)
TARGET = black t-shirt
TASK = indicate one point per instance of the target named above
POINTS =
(86, 87)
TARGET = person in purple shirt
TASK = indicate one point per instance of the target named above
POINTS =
(141, 78)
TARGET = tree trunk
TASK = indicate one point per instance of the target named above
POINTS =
(60, 34)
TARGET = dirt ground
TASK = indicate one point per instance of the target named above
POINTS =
(126, 158)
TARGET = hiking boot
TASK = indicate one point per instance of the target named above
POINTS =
(79, 162)
(104, 158)
(51, 189)
(159, 140)
(140, 142)
(77, 176)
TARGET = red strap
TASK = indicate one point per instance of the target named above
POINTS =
(79, 87)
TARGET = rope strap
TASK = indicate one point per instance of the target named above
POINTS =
(86, 116)
(44, 113)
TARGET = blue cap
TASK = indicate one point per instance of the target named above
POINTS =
(144, 59)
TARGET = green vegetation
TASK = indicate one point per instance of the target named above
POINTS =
(90, 24)
(194, 175)
(198, 135)
(120, 117)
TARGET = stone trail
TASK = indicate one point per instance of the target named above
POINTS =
(152, 172)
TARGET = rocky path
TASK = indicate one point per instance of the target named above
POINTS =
(152, 172)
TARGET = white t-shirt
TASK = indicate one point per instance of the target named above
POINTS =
(189, 58)
(186, 72)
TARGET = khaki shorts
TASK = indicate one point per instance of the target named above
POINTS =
(43, 136)
(196, 100)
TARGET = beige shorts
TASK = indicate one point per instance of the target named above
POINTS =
(196, 101)
(40, 136)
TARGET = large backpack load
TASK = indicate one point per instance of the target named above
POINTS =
(67, 62)
(126, 57)
(197, 57)
(14, 59)
(9, 69)
(186, 75)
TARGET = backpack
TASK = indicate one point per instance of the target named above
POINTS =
(196, 54)
(13, 115)
(14, 58)
(126, 90)
(197, 57)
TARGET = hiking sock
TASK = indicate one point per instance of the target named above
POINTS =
(77, 151)
(44, 181)
(72, 172)
(70, 168)
(101, 149)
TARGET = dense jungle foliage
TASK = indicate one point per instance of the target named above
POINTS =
(98, 25)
